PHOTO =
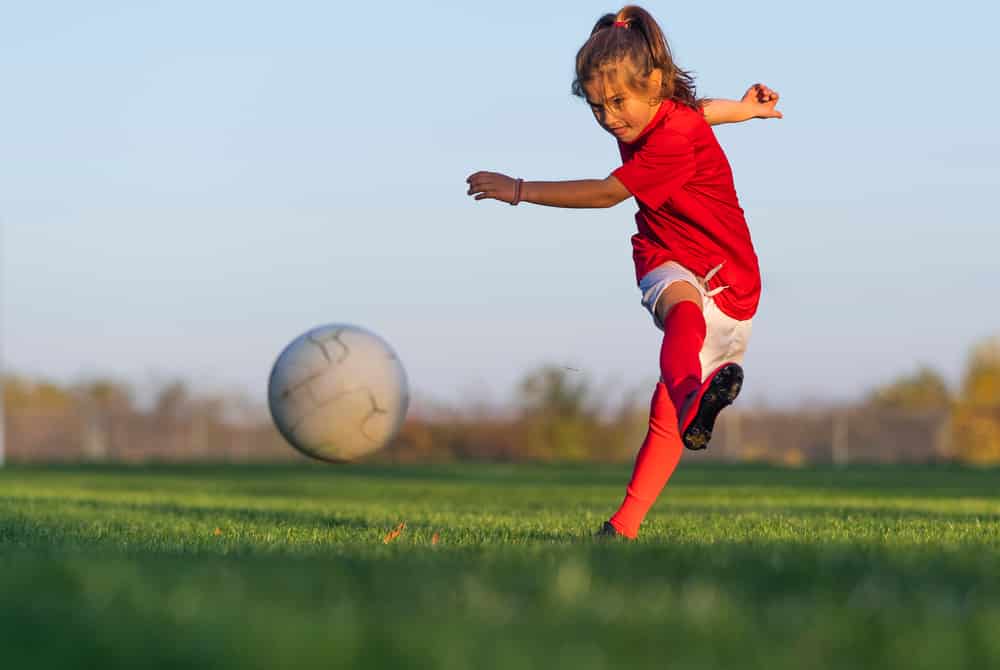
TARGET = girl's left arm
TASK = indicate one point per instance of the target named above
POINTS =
(758, 102)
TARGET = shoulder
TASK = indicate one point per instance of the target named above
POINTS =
(672, 132)
(676, 127)
(671, 137)
(684, 121)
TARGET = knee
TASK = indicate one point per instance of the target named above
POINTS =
(675, 294)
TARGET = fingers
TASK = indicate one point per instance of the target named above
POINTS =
(473, 179)
(484, 185)
(480, 183)
(482, 189)
(480, 180)
(765, 94)
(764, 99)
(476, 182)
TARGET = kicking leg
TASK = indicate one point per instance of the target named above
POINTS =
(684, 330)
(679, 309)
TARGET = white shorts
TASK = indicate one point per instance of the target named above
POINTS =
(725, 338)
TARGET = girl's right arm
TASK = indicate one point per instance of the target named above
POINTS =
(758, 103)
(583, 193)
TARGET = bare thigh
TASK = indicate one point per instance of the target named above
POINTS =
(674, 294)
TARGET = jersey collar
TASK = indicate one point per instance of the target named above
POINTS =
(666, 107)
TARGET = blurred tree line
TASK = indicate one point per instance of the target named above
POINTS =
(916, 418)
(976, 415)
(102, 420)
(973, 413)
(559, 415)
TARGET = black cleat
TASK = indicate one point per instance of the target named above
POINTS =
(608, 532)
(718, 392)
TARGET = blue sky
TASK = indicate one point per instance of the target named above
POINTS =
(184, 187)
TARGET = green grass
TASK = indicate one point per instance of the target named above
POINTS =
(736, 568)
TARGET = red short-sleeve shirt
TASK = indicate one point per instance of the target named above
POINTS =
(688, 209)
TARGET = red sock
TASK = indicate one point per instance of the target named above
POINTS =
(683, 338)
(660, 452)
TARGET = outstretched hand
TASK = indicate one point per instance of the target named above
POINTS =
(494, 185)
(762, 102)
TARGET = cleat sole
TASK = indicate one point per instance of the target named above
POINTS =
(722, 391)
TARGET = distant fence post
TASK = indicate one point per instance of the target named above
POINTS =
(3, 369)
(944, 447)
(95, 439)
(3, 423)
(839, 444)
(733, 435)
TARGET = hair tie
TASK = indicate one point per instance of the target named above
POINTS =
(621, 24)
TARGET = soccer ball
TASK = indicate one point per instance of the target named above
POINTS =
(338, 392)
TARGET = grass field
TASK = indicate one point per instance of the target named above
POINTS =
(258, 567)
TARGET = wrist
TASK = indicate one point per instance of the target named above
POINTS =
(518, 192)
(746, 111)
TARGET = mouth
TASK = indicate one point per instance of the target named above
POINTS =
(618, 131)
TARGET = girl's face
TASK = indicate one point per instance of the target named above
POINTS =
(619, 110)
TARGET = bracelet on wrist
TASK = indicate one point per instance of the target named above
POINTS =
(517, 192)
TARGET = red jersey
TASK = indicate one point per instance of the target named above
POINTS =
(688, 209)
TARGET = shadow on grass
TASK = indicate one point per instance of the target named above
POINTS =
(838, 509)
(839, 571)
(108, 522)
(24, 530)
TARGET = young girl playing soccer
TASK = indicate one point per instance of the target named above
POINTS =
(695, 263)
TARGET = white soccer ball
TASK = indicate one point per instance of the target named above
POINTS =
(338, 392)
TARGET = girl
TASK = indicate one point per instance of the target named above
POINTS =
(695, 263)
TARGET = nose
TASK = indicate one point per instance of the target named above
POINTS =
(604, 117)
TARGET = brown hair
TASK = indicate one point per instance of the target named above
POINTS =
(639, 42)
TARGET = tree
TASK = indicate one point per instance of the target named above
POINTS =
(104, 395)
(923, 391)
(25, 395)
(558, 417)
(173, 402)
(100, 402)
(976, 421)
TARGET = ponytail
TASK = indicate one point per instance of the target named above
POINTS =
(632, 35)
